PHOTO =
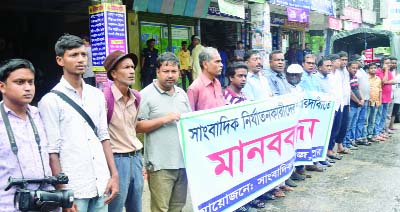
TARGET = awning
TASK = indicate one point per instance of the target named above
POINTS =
(355, 41)
(191, 8)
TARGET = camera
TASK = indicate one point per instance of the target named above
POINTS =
(40, 200)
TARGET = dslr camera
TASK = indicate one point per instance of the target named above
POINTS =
(39, 200)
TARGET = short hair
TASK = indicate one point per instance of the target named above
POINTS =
(184, 43)
(236, 65)
(333, 57)
(322, 60)
(352, 63)
(372, 64)
(167, 57)
(393, 58)
(86, 38)
(8, 66)
(355, 57)
(240, 42)
(206, 55)
(67, 42)
(150, 40)
(273, 53)
(308, 56)
(383, 60)
(343, 54)
(248, 54)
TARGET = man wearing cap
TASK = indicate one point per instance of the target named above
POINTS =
(76, 148)
(160, 108)
(148, 63)
(197, 49)
(293, 76)
(125, 145)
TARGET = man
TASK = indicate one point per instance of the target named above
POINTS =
(293, 76)
(239, 52)
(206, 91)
(275, 75)
(387, 81)
(125, 145)
(363, 82)
(18, 89)
(197, 49)
(310, 82)
(307, 50)
(320, 54)
(148, 63)
(324, 71)
(237, 76)
(88, 76)
(374, 103)
(390, 116)
(83, 153)
(257, 85)
(185, 66)
(161, 107)
(396, 94)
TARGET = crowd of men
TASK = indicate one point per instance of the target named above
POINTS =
(91, 135)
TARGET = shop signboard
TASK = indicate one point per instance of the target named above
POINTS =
(324, 7)
(298, 14)
(334, 23)
(231, 8)
(295, 25)
(352, 14)
(277, 19)
(348, 25)
(292, 3)
(107, 31)
(369, 54)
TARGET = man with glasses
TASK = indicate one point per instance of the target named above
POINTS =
(310, 82)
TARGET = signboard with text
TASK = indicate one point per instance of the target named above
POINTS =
(107, 31)
(245, 150)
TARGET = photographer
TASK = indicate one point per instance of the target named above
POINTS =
(18, 89)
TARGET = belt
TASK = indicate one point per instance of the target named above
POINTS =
(127, 154)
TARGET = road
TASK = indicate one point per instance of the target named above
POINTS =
(366, 181)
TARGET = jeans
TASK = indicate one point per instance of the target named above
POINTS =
(95, 204)
(130, 184)
(351, 128)
(168, 188)
(371, 128)
(362, 116)
(381, 117)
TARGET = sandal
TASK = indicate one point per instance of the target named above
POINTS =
(256, 203)
(334, 157)
(365, 143)
(278, 193)
(286, 188)
(344, 151)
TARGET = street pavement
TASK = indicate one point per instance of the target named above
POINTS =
(366, 181)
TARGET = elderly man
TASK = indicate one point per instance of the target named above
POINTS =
(161, 107)
(206, 91)
(122, 112)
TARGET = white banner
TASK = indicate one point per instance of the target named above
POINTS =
(234, 154)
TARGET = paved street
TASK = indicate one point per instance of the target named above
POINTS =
(366, 181)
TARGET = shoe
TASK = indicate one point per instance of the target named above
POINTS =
(330, 160)
(314, 168)
(364, 142)
(296, 176)
(335, 157)
(325, 163)
(301, 172)
(267, 196)
(290, 183)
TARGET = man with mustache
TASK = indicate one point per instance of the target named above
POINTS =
(275, 74)
(257, 85)
(161, 107)
(206, 91)
(122, 108)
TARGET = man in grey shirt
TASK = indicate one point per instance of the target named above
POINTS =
(275, 75)
(161, 107)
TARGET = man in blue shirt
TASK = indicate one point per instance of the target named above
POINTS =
(309, 81)
(275, 75)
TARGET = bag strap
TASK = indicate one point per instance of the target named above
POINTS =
(77, 108)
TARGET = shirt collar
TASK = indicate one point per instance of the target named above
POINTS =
(68, 86)
(205, 79)
(29, 109)
(161, 91)
(118, 95)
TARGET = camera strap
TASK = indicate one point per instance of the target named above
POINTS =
(11, 136)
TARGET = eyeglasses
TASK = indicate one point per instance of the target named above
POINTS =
(310, 63)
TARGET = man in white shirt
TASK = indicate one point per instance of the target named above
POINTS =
(82, 153)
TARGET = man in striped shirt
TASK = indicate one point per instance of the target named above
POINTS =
(237, 76)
